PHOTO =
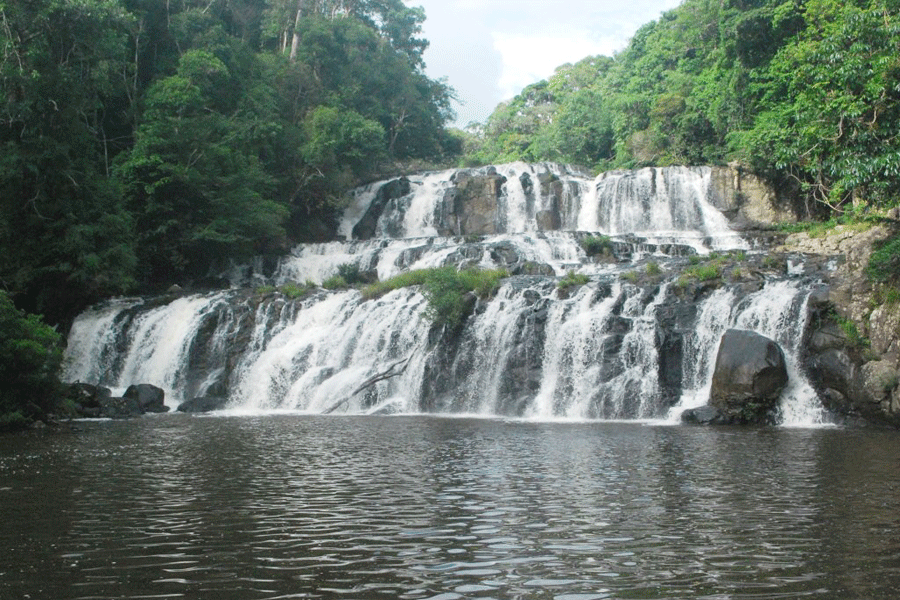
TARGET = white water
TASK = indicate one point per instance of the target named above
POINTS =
(157, 345)
(329, 349)
(90, 339)
(530, 352)
(778, 311)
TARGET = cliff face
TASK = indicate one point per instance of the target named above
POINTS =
(854, 346)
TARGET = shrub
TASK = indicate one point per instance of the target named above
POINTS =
(293, 290)
(884, 263)
(30, 359)
(571, 280)
(704, 272)
(653, 269)
(445, 288)
(349, 272)
(335, 282)
(596, 244)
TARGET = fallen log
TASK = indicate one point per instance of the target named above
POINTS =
(391, 371)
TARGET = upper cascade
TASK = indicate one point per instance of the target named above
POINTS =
(662, 205)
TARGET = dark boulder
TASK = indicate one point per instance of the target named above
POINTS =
(87, 398)
(749, 375)
(203, 404)
(119, 408)
(367, 226)
(149, 397)
(704, 415)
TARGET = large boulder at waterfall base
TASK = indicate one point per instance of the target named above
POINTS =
(749, 375)
(149, 397)
(119, 408)
(203, 404)
(87, 398)
(704, 415)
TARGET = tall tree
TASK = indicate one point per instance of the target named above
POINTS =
(62, 228)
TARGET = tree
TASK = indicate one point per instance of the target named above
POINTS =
(832, 110)
(199, 194)
(30, 359)
(65, 239)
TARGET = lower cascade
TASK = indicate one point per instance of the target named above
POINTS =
(628, 333)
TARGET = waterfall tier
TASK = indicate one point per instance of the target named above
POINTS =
(635, 342)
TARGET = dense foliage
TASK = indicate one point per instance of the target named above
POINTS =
(449, 291)
(30, 358)
(143, 142)
(799, 90)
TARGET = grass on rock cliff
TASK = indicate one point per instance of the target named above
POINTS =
(572, 280)
(446, 289)
(596, 244)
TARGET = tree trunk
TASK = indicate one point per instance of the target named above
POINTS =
(295, 41)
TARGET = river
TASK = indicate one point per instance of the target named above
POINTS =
(425, 507)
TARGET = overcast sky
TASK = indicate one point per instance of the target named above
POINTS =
(490, 49)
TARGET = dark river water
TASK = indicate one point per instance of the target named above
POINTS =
(294, 506)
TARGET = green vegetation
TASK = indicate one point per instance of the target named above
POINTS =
(653, 269)
(572, 280)
(854, 337)
(706, 272)
(631, 276)
(292, 290)
(446, 289)
(596, 244)
(30, 359)
(144, 143)
(806, 93)
(884, 263)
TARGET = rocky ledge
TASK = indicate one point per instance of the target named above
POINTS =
(853, 343)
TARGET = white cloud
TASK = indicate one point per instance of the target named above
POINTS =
(527, 59)
(488, 50)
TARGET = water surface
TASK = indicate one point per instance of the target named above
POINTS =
(293, 506)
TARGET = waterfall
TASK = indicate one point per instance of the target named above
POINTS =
(778, 311)
(626, 342)
(157, 344)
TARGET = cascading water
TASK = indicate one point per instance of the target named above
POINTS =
(621, 346)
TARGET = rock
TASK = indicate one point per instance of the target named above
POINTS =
(87, 398)
(749, 375)
(203, 404)
(884, 326)
(745, 199)
(878, 379)
(833, 369)
(476, 202)
(366, 227)
(120, 408)
(704, 415)
(149, 397)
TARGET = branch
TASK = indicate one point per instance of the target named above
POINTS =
(386, 374)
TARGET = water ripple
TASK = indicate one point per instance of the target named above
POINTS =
(419, 508)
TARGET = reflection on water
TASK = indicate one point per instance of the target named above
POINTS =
(417, 507)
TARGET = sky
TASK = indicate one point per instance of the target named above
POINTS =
(489, 50)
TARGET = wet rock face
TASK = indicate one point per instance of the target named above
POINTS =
(475, 203)
(366, 227)
(853, 348)
(749, 375)
(203, 404)
(148, 397)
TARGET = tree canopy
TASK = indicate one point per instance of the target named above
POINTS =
(801, 90)
(149, 142)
